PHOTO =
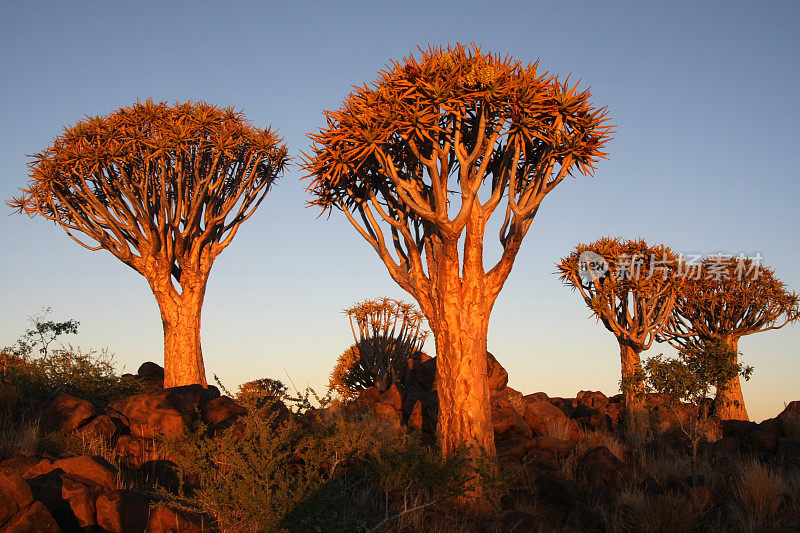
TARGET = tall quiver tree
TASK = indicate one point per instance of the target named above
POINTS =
(631, 288)
(164, 189)
(722, 299)
(420, 160)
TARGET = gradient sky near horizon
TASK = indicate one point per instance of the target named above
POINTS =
(705, 159)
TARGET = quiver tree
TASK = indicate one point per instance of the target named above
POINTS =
(164, 189)
(387, 334)
(723, 299)
(631, 288)
(420, 160)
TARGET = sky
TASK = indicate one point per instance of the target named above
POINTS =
(705, 159)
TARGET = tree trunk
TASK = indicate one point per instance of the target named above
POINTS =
(631, 377)
(183, 356)
(729, 402)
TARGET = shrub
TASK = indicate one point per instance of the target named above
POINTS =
(19, 424)
(343, 475)
(761, 490)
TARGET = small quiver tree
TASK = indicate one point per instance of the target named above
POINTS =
(723, 299)
(164, 189)
(420, 160)
(387, 334)
(700, 367)
(631, 288)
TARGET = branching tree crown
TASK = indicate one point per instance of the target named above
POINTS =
(729, 297)
(152, 180)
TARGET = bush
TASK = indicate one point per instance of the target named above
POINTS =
(761, 490)
(42, 373)
(266, 473)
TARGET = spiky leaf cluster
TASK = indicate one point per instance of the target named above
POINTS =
(729, 297)
(629, 285)
(155, 180)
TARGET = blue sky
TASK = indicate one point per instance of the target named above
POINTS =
(705, 159)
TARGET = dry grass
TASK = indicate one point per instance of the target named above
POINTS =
(19, 424)
(761, 490)
(790, 421)
(638, 512)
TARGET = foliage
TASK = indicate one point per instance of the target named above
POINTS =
(729, 297)
(412, 151)
(387, 333)
(261, 390)
(265, 474)
(761, 490)
(700, 367)
(629, 285)
(86, 374)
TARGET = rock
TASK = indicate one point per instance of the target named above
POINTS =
(536, 396)
(508, 424)
(557, 491)
(220, 410)
(99, 427)
(496, 374)
(725, 447)
(600, 467)
(152, 375)
(122, 511)
(386, 413)
(519, 521)
(69, 499)
(33, 519)
(591, 419)
(566, 405)
(15, 495)
(165, 520)
(163, 413)
(368, 396)
(94, 469)
(419, 371)
(614, 412)
(136, 451)
(67, 413)
(414, 420)
(762, 441)
(737, 428)
(393, 398)
(594, 399)
(549, 449)
(515, 447)
(542, 416)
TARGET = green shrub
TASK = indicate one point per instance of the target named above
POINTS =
(309, 472)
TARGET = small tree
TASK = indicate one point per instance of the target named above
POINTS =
(164, 189)
(723, 299)
(692, 377)
(387, 334)
(631, 288)
(418, 163)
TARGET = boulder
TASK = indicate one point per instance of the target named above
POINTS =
(737, 428)
(515, 448)
(133, 451)
(591, 419)
(69, 499)
(152, 375)
(67, 413)
(566, 405)
(428, 401)
(163, 413)
(536, 396)
(122, 511)
(549, 449)
(94, 469)
(557, 491)
(762, 441)
(414, 420)
(614, 412)
(419, 371)
(601, 468)
(368, 396)
(101, 427)
(392, 398)
(35, 518)
(507, 423)
(222, 409)
(496, 374)
(593, 399)
(15, 495)
(542, 416)
(165, 520)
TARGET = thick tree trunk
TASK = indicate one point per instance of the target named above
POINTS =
(183, 356)
(729, 402)
(631, 377)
